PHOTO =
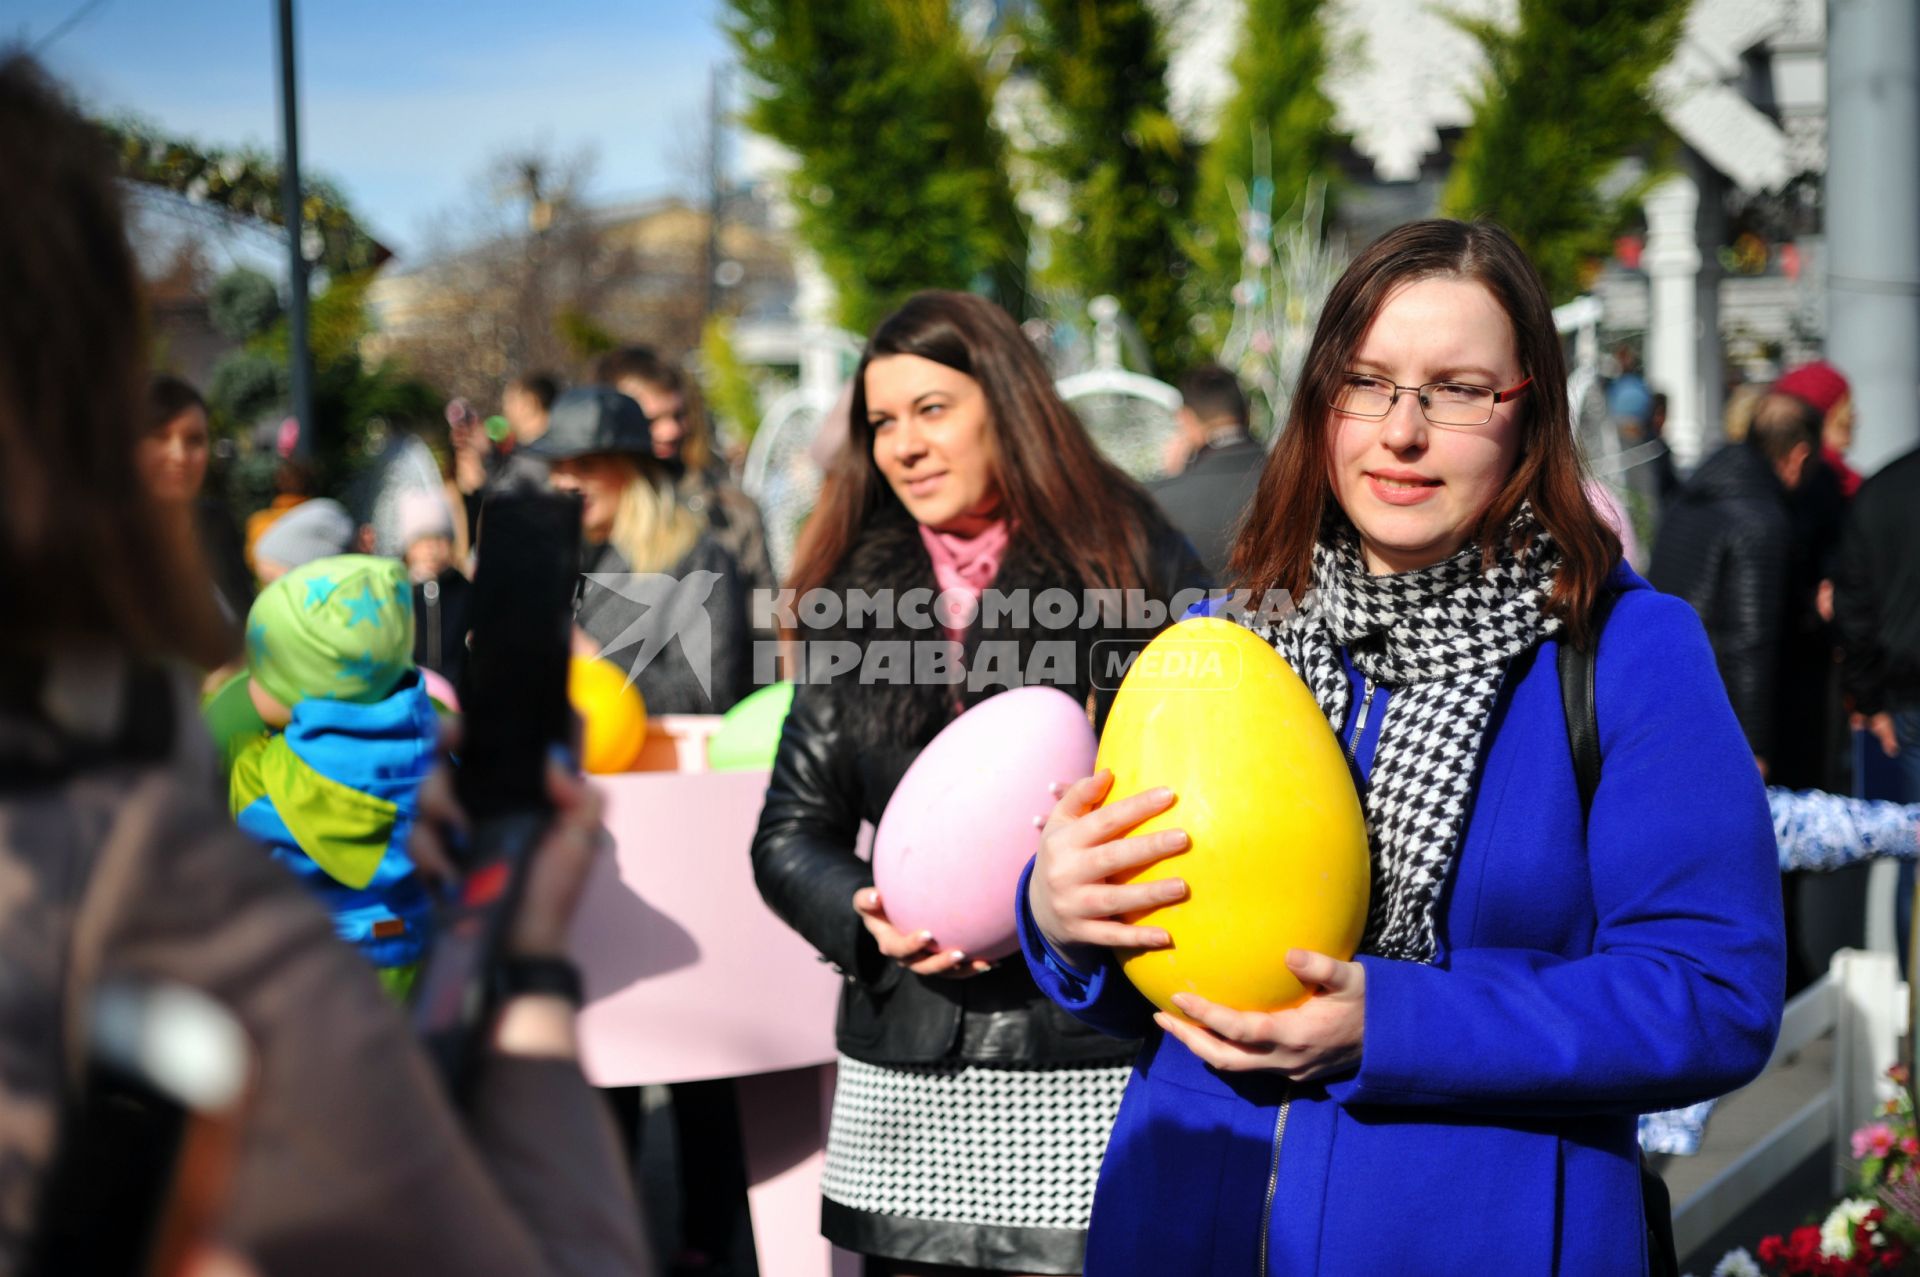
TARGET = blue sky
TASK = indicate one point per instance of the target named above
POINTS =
(403, 103)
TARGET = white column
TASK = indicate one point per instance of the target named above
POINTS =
(815, 298)
(1672, 263)
(1873, 219)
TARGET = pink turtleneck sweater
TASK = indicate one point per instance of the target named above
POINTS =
(964, 566)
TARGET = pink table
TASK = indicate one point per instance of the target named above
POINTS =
(689, 976)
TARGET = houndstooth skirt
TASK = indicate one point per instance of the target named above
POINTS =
(955, 1163)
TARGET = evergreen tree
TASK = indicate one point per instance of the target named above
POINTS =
(901, 183)
(251, 384)
(1567, 97)
(246, 183)
(1128, 170)
(1277, 123)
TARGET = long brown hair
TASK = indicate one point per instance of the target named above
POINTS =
(1059, 492)
(1295, 495)
(86, 553)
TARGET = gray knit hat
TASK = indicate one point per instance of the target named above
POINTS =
(311, 530)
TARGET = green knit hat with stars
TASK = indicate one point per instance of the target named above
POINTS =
(336, 629)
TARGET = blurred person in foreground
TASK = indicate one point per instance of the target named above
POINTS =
(1209, 495)
(173, 461)
(683, 442)
(120, 862)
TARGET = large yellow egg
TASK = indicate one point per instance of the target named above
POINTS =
(614, 717)
(1279, 843)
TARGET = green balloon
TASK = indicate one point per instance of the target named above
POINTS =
(232, 719)
(750, 733)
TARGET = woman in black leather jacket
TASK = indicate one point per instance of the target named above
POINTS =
(970, 1113)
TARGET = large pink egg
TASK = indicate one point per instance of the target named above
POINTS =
(961, 826)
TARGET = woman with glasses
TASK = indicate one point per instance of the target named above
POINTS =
(1537, 967)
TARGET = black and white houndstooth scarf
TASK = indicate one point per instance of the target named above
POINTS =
(1439, 639)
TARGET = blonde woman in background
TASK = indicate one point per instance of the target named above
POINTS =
(651, 564)
(684, 445)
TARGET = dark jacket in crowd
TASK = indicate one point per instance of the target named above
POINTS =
(441, 618)
(1876, 590)
(1726, 547)
(1208, 499)
(843, 751)
(1808, 749)
(657, 630)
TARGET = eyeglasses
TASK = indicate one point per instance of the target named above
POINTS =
(1444, 403)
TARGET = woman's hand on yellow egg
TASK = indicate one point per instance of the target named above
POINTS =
(1084, 845)
(1320, 1037)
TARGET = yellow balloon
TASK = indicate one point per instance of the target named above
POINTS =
(1279, 843)
(614, 716)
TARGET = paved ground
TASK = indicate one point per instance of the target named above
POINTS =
(1738, 1123)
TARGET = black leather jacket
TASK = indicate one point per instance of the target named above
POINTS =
(828, 779)
(1726, 547)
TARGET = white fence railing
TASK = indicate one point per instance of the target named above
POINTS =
(1863, 1003)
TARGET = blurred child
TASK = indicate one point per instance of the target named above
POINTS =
(441, 591)
(332, 794)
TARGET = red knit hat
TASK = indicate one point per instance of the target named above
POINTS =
(1818, 383)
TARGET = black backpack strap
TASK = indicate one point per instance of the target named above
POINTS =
(1578, 668)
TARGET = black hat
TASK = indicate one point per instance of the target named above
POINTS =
(590, 419)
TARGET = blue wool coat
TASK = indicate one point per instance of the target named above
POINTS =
(1584, 976)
